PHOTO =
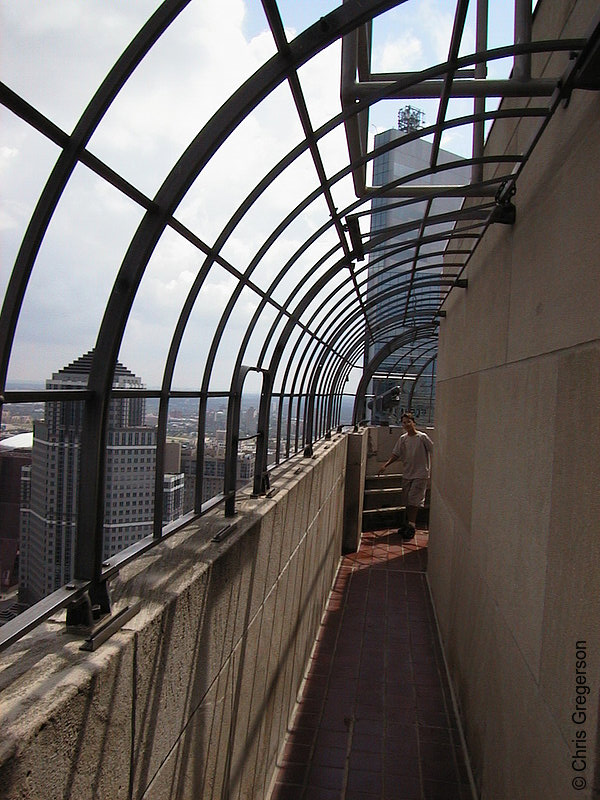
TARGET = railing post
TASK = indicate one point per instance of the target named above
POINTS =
(233, 437)
(232, 440)
(261, 478)
(87, 565)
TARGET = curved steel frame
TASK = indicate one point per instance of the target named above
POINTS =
(323, 327)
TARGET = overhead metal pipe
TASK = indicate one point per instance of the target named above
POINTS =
(475, 87)
(481, 36)
(460, 18)
(423, 192)
(522, 63)
(356, 144)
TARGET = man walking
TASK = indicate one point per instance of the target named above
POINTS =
(414, 449)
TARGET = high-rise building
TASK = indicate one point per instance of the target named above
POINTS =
(214, 471)
(391, 262)
(173, 484)
(49, 517)
(15, 454)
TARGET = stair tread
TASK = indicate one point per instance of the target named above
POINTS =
(378, 518)
(386, 510)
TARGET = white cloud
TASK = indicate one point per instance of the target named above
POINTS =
(56, 53)
(6, 155)
(437, 20)
(399, 54)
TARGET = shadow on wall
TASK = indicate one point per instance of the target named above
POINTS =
(193, 697)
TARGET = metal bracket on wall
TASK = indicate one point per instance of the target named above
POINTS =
(106, 630)
(505, 212)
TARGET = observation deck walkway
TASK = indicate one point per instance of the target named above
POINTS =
(376, 720)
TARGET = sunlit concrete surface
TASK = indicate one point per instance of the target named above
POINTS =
(515, 505)
(193, 696)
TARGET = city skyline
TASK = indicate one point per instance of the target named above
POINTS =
(51, 483)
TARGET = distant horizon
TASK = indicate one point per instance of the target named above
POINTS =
(16, 386)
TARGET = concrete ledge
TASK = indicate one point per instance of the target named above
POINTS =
(356, 469)
(193, 697)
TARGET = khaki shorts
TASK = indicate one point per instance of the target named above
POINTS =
(413, 492)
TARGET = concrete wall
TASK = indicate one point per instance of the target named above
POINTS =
(514, 561)
(192, 698)
(356, 470)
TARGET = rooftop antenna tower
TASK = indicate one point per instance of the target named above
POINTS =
(410, 119)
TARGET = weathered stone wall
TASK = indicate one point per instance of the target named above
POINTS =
(192, 698)
(515, 547)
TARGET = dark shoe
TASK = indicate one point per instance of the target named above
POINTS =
(407, 532)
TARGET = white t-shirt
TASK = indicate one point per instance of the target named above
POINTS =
(414, 452)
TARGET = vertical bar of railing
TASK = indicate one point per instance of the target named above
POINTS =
(309, 416)
(280, 404)
(317, 422)
(232, 441)
(334, 382)
(307, 423)
(334, 404)
(230, 476)
(261, 479)
(359, 411)
(299, 410)
(233, 436)
(161, 440)
(87, 564)
(288, 436)
(200, 450)
(288, 426)
(327, 388)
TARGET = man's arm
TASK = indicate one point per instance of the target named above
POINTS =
(390, 460)
(397, 455)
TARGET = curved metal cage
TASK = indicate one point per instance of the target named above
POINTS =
(310, 263)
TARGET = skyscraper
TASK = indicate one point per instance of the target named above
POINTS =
(15, 454)
(49, 519)
(391, 263)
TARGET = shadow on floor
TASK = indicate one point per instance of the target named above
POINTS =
(375, 719)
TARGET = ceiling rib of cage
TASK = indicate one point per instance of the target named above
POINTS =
(327, 296)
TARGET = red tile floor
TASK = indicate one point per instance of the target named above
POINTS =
(375, 719)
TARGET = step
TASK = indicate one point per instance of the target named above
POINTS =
(382, 498)
(380, 518)
(386, 481)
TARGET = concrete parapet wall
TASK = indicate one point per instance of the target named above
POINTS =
(514, 554)
(192, 698)
(356, 469)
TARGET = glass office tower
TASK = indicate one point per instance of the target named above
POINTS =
(49, 517)
(394, 265)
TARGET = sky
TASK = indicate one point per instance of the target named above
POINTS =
(55, 54)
